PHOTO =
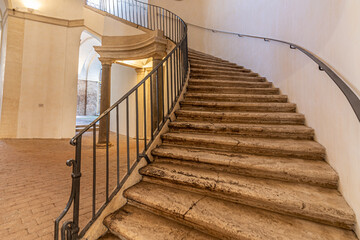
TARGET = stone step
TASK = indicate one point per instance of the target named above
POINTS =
(304, 149)
(237, 106)
(241, 117)
(203, 55)
(208, 59)
(244, 130)
(223, 72)
(217, 64)
(132, 223)
(202, 74)
(234, 90)
(228, 77)
(228, 220)
(206, 69)
(224, 83)
(318, 204)
(317, 173)
(222, 68)
(235, 97)
(109, 236)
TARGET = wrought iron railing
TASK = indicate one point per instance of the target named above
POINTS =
(350, 95)
(153, 100)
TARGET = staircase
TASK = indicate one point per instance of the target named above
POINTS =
(238, 163)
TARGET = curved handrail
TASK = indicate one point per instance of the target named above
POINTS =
(164, 82)
(350, 95)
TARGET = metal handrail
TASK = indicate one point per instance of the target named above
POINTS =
(165, 81)
(350, 95)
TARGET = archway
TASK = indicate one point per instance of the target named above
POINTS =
(89, 75)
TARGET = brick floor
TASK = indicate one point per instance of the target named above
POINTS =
(35, 183)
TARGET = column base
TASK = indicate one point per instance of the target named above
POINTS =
(102, 145)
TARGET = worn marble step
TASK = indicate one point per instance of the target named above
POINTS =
(237, 106)
(217, 64)
(199, 66)
(228, 220)
(228, 77)
(201, 74)
(197, 70)
(200, 54)
(318, 204)
(222, 73)
(305, 149)
(235, 97)
(317, 173)
(208, 59)
(241, 117)
(219, 71)
(109, 236)
(232, 90)
(244, 130)
(203, 55)
(132, 223)
(224, 83)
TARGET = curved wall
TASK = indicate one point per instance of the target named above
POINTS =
(328, 28)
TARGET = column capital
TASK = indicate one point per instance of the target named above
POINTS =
(106, 61)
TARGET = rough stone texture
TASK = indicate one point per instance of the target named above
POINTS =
(260, 146)
(238, 163)
(235, 97)
(241, 117)
(132, 223)
(228, 220)
(109, 236)
(237, 106)
(248, 130)
(286, 169)
(320, 204)
(197, 82)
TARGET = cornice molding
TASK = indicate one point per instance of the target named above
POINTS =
(45, 19)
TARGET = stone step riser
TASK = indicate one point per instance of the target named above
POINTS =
(217, 68)
(236, 107)
(203, 74)
(240, 199)
(229, 84)
(226, 220)
(214, 64)
(232, 90)
(206, 69)
(256, 150)
(244, 132)
(235, 98)
(221, 118)
(283, 169)
(234, 80)
(227, 77)
(209, 60)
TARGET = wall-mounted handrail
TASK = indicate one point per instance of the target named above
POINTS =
(162, 86)
(350, 95)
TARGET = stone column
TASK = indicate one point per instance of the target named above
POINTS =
(157, 88)
(104, 99)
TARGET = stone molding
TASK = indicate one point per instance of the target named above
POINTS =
(45, 19)
(148, 45)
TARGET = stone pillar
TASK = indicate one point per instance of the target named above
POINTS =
(104, 99)
(157, 88)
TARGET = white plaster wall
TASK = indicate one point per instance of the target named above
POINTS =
(328, 28)
(123, 79)
(49, 81)
(107, 26)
